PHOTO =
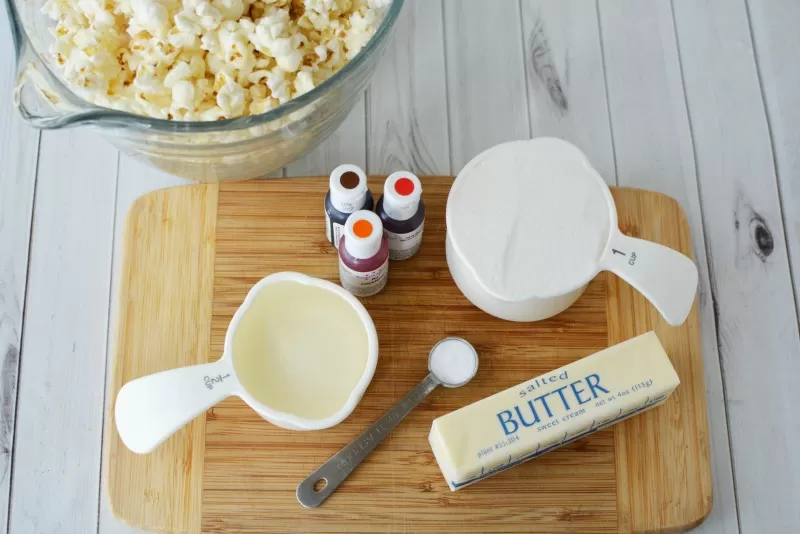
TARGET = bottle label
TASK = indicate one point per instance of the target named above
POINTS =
(333, 231)
(363, 284)
(403, 246)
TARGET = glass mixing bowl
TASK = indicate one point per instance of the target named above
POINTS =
(231, 149)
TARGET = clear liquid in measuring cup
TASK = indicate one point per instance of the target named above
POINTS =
(300, 349)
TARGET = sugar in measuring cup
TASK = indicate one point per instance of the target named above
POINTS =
(300, 351)
(452, 363)
(530, 223)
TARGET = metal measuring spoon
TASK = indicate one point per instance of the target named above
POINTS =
(452, 362)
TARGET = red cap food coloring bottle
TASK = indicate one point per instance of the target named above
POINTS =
(402, 213)
(363, 255)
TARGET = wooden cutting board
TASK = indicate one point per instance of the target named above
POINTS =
(192, 253)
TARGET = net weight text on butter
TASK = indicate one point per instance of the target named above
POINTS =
(619, 394)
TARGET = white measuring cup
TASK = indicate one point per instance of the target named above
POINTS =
(150, 409)
(452, 363)
(515, 207)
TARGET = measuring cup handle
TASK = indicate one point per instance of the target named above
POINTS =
(150, 409)
(338, 468)
(667, 278)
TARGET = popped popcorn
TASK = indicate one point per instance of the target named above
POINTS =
(203, 60)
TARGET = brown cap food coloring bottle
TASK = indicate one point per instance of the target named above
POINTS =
(348, 193)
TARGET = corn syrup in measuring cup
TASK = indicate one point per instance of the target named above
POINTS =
(300, 349)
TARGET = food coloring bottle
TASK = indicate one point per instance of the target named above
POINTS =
(402, 213)
(348, 193)
(363, 255)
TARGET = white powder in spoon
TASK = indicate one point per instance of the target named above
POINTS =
(530, 218)
(453, 361)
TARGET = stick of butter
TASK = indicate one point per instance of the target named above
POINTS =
(552, 410)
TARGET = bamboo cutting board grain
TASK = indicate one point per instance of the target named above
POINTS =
(192, 253)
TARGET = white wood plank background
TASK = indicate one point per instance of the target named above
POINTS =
(56, 473)
(695, 98)
(777, 48)
(407, 125)
(18, 153)
(748, 258)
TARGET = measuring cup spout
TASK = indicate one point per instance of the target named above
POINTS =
(667, 278)
(150, 409)
(41, 97)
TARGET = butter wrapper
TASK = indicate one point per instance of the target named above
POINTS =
(551, 410)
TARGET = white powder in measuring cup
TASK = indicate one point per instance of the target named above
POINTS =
(530, 218)
(453, 361)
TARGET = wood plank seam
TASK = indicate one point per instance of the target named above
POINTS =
(109, 333)
(9, 436)
(605, 86)
(771, 134)
(776, 46)
(525, 72)
(451, 169)
(367, 130)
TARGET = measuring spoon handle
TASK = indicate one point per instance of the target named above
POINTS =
(334, 471)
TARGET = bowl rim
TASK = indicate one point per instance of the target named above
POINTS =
(92, 113)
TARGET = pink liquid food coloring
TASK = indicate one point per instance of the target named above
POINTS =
(402, 213)
(363, 255)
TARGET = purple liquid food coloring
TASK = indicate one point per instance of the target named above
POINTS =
(402, 213)
(348, 193)
(363, 255)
